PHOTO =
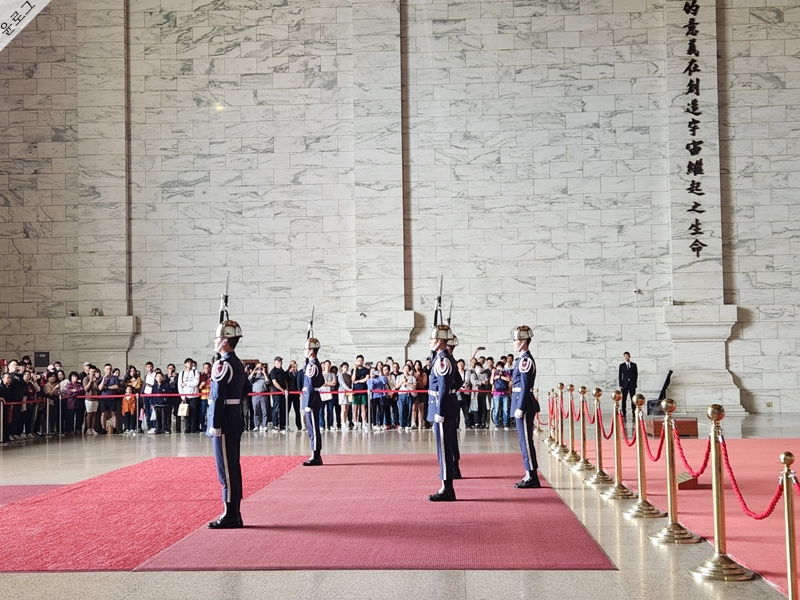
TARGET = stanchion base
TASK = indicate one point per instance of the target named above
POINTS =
(583, 465)
(674, 533)
(599, 478)
(561, 450)
(721, 568)
(619, 492)
(644, 510)
(571, 457)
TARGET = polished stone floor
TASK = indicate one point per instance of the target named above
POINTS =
(645, 570)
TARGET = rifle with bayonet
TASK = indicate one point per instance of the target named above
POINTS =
(223, 309)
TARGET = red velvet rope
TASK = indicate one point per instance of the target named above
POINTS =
(564, 414)
(797, 488)
(643, 433)
(628, 442)
(603, 426)
(587, 412)
(753, 515)
(683, 456)
(576, 413)
(540, 421)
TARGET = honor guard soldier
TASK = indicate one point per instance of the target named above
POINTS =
(458, 381)
(524, 405)
(443, 411)
(229, 385)
(313, 379)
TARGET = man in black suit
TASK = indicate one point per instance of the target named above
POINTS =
(628, 380)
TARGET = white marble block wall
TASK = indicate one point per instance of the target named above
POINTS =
(344, 155)
(760, 143)
(38, 184)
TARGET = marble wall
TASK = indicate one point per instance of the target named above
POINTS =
(344, 155)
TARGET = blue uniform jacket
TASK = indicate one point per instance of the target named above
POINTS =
(442, 386)
(228, 382)
(522, 382)
(313, 379)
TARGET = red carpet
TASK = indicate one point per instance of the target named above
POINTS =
(14, 493)
(758, 545)
(372, 512)
(117, 520)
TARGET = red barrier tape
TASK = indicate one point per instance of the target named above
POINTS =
(753, 515)
(689, 469)
(589, 417)
(576, 413)
(4, 403)
(643, 433)
(632, 441)
(608, 435)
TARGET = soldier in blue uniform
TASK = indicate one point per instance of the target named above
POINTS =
(443, 411)
(311, 402)
(458, 381)
(524, 405)
(229, 385)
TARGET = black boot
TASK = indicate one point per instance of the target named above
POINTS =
(446, 494)
(314, 461)
(531, 480)
(231, 519)
(457, 471)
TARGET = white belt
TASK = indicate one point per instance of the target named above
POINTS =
(233, 401)
(518, 389)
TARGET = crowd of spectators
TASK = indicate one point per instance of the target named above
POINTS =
(103, 401)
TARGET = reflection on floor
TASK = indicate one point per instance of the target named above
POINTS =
(645, 571)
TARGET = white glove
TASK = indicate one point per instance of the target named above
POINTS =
(438, 418)
(308, 409)
(518, 414)
(215, 432)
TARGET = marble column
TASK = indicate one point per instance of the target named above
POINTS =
(699, 323)
(380, 325)
(103, 202)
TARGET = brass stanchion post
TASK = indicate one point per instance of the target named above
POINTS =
(600, 477)
(571, 456)
(719, 567)
(673, 532)
(560, 448)
(618, 491)
(787, 458)
(583, 464)
(551, 438)
(642, 509)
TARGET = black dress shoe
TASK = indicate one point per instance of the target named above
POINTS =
(528, 483)
(443, 496)
(312, 462)
(227, 522)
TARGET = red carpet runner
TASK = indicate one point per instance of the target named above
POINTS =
(15, 493)
(117, 520)
(758, 545)
(372, 512)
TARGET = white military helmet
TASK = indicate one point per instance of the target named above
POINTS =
(523, 332)
(453, 341)
(228, 329)
(312, 343)
(441, 332)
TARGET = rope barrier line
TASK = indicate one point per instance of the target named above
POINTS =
(589, 419)
(753, 515)
(796, 487)
(632, 441)
(643, 433)
(608, 435)
(576, 413)
(563, 413)
(689, 469)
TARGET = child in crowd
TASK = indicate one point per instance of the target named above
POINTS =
(129, 410)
